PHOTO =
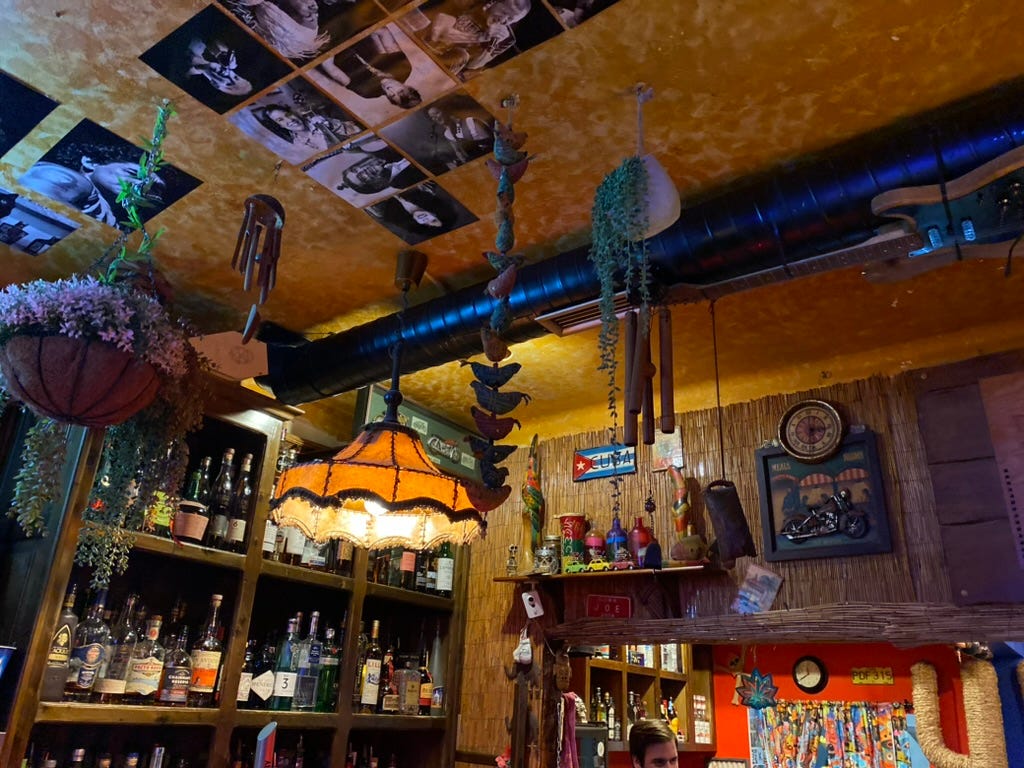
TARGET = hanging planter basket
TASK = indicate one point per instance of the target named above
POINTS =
(78, 381)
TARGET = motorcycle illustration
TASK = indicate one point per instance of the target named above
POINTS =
(836, 515)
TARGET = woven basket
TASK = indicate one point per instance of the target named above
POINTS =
(78, 381)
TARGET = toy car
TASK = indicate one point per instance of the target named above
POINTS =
(599, 565)
(576, 566)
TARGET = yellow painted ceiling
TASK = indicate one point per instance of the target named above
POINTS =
(740, 87)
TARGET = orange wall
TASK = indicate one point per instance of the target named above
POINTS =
(731, 720)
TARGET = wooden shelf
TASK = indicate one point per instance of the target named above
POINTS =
(397, 723)
(614, 666)
(296, 573)
(396, 595)
(633, 572)
(637, 669)
(146, 542)
(117, 714)
(313, 720)
(664, 674)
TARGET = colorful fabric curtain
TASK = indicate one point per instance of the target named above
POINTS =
(830, 734)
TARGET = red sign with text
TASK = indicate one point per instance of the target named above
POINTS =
(609, 607)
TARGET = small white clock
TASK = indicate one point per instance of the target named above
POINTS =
(810, 674)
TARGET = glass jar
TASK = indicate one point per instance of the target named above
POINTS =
(546, 556)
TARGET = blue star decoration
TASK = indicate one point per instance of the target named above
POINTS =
(757, 691)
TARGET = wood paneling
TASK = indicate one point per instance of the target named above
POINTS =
(967, 491)
(982, 563)
(953, 424)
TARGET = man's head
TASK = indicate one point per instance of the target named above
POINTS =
(652, 744)
(400, 94)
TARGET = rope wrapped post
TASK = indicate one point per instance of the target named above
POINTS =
(981, 707)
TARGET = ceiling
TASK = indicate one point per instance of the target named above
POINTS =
(741, 88)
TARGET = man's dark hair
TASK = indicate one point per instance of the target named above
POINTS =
(645, 733)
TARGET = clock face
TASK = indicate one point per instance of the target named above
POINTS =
(811, 430)
(809, 674)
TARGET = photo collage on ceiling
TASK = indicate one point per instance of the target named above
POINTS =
(24, 225)
(362, 94)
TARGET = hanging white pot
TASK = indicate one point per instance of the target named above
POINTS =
(663, 204)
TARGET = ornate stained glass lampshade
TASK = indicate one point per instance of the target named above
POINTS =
(381, 490)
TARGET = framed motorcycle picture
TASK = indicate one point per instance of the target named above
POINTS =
(829, 509)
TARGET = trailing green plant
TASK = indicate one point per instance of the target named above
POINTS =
(144, 458)
(618, 251)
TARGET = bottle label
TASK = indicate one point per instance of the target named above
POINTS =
(204, 670)
(308, 551)
(263, 685)
(315, 649)
(190, 525)
(408, 562)
(60, 647)
(88, 659)
(412, 689)
(175, 685)
(244, 686)
(161, 516)
(284, 684)
(445, 574)
(294, 541)
(426, 692)
(270, 536)
(329, 661)
(236, 530)
(317, 557)
(219, 526)
(144, 676)
(371, 682)
(389, 702)
(110, 685)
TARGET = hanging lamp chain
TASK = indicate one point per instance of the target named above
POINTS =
(393, 398)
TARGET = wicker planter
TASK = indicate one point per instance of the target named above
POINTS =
(78, 381)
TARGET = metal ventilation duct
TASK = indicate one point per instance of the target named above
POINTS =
(776, 223)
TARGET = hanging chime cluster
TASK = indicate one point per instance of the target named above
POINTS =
(492, 404)
(640, 373)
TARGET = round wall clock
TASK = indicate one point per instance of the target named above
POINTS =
(811, 430)
(810, 675)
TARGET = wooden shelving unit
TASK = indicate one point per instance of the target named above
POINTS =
(255, 424)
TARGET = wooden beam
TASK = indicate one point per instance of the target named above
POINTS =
(902, 624)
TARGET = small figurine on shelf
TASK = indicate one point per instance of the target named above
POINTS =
(652, 558)
(511, 566)
(688, 547)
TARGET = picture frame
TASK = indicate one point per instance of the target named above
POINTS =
(789, 487)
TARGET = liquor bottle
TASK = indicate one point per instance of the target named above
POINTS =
(146, 666)
(445, 570)
(300, 754)
(192, 519)
(104, 760)
(369, 686)
(330, 667)
(609, 708)
(431, 558)
(158, 517)
(77, 758)
(241, 507)
(308, 652)
(262, 687)
(387, 694)
(284, 670)
(344, 558)
(177, 675)
(361, 642)
(395, 567)
(131, 760)
(437, 669)
(206, 655)
(409, 690)
(157, 756)
(597, 707)
(639, 538)
(245, 678)
(220, 501)
(615, 539)
(673, 718)
(426, 682)
(55, 674)
(90, 639)
(113, 674)
(422, 560)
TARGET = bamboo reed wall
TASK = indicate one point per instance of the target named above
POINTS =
(912, 572)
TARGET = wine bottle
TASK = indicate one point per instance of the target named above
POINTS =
(176, 677)
(294, 546)
(330, 667)
(308, 652)
(77, 758)
(437, 668)
(191, 521)
(113, 673)
(388, 696)
(426, 692)
(409, 690)
(206, 655)
(245, 677)
(146, 666)
(269, 548)
(344, 556)
(220, 501)
(284, 670)
(361, 642)
(639, 539)
(373, 657)
(55, 674)
(445, 570)
(407, 569)
(241, 507)
(90, 640)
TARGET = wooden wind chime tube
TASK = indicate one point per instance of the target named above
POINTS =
(666, 386)
(647, 407)
(629, 424)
